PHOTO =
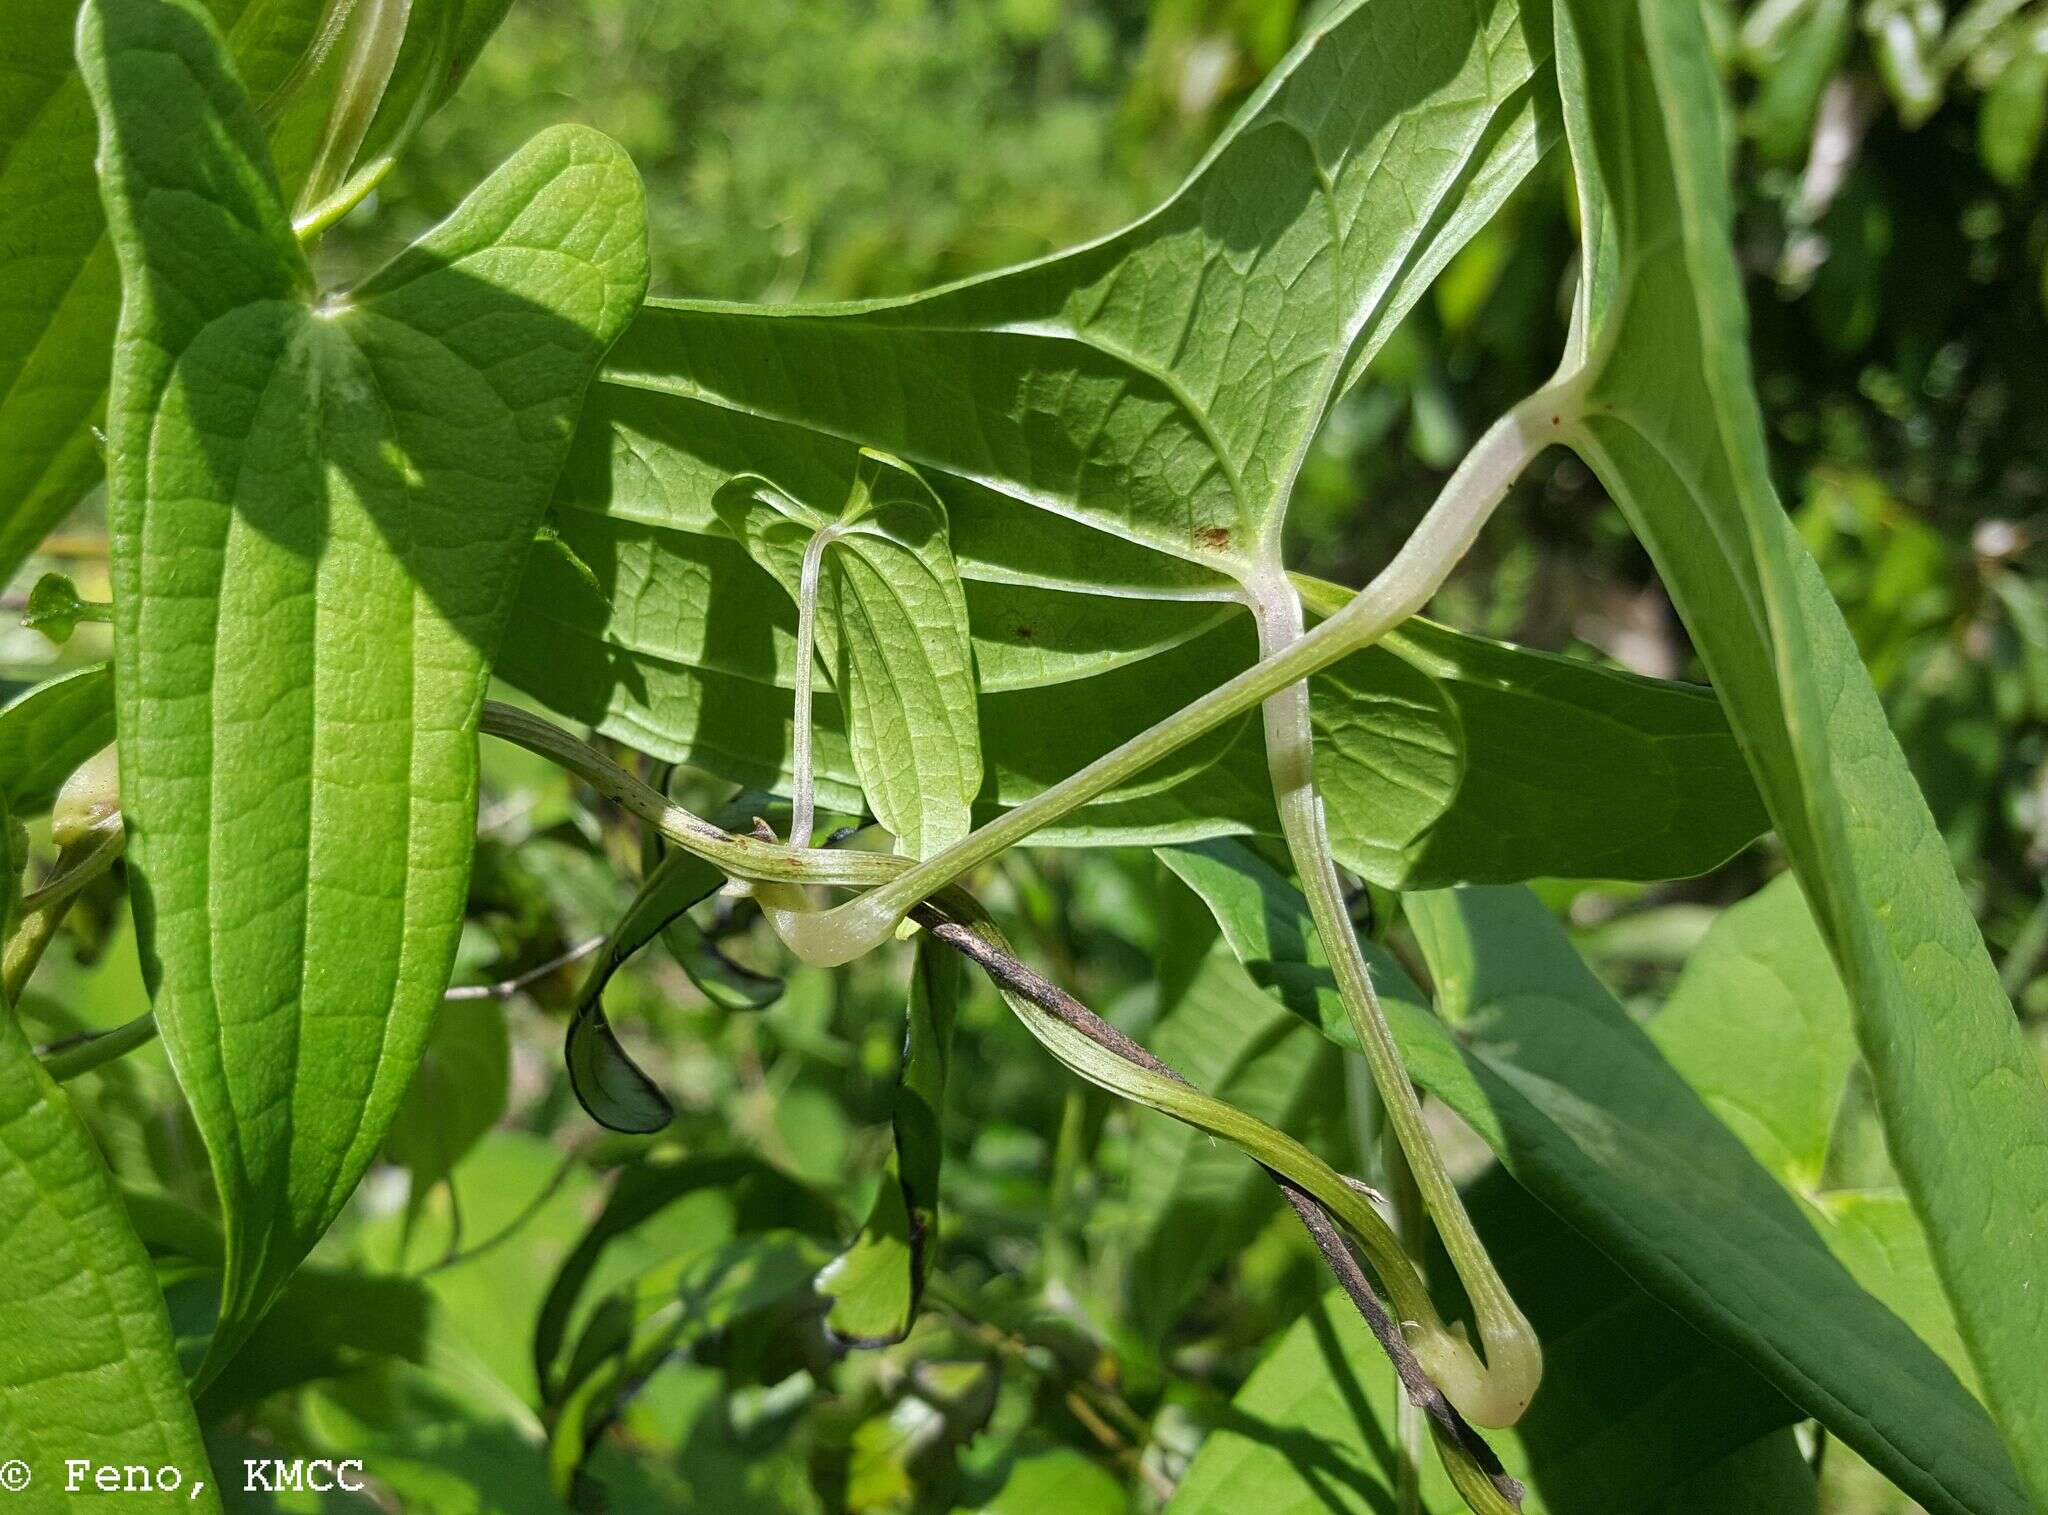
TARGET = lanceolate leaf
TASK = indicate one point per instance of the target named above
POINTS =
(1759, 1025)
(875, 1284)
(891, 630)
(49, 731)
(1578, 1104)
(319, 508)
(89, 1370)
(1671, 426)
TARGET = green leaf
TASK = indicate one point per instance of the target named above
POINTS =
(755, 1197)
(1635, 1404)
(891, 632)
(646, 1323)
(875, 1285)
(727, 984)
(458, 1094)
(319, 507)
(1578, 1104)
(688, 653)
(59, 290)
(484, 1246)
(89, 1369)
(1759, 1026)
(1565, 770)
(51, 729)
(609, 1085)
(1060, 1479)
(1671, 427)
(1112, 432)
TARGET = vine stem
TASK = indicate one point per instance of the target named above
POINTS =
(828, 938)
(803, 798)
(1418, 1346)
(1514, 1358)
(326, 197)
(1443, 1357)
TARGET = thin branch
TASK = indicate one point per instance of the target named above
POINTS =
(506, 988)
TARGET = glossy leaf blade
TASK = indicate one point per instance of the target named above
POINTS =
(319, 509)
(1578, 1104)
(49, 730)
(1673, 429)
(59, 289)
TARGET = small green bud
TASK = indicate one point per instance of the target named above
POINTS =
(88, 797)
(55, 608)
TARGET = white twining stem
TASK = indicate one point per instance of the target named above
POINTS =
(803, 796)
(786, 906)
(830, 937)
(1514, 1358)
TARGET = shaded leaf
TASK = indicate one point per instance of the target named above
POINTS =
(607, 1082)
(1634, 1403)
(892, 632)
(644, 1324)
(1194, 1203)
(875, 1285)
(1759, 1026)
(759, 1199)
(458, 1094)
(48, 731)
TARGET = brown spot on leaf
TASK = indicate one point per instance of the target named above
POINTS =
(1215, 538)
(1023, 633)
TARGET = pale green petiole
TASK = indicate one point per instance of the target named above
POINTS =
(327, 195)
(831, 937)
(1514, 1357)
(803, 796)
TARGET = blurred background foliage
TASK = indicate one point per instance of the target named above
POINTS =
(1105, 1281)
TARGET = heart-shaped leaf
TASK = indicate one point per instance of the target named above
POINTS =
(319, 509)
